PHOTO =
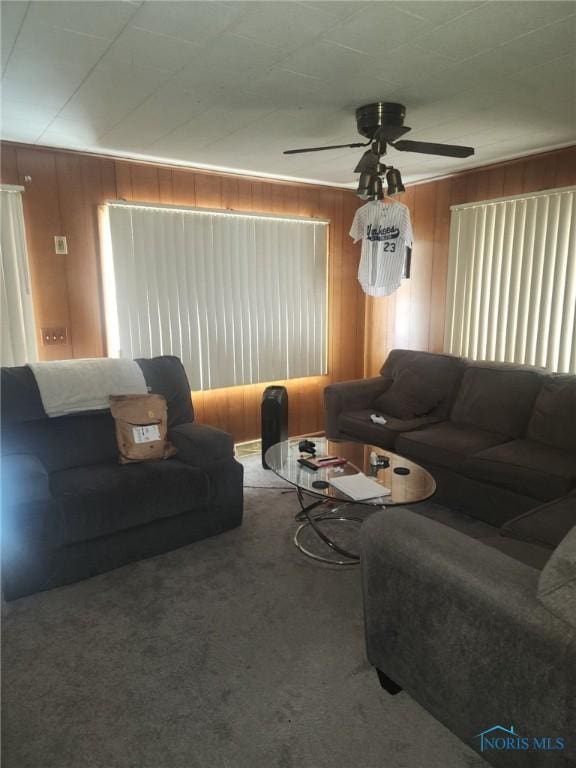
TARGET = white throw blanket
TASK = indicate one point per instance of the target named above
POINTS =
(69, 386)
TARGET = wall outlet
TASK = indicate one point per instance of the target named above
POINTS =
(54, 336)
(60, 244)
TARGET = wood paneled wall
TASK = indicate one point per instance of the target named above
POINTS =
(413, 317)
(63, 191)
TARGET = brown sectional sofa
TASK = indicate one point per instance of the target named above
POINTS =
(500, 439)
(476, 637)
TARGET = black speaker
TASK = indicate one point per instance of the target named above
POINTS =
(274, 412)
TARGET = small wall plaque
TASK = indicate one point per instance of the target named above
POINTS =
(60, 244)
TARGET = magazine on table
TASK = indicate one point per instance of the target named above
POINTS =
(321, 462)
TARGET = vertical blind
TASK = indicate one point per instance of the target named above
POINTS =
(240, 298)
(18, 342)
(511, 291)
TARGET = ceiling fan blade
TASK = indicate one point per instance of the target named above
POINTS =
(428, 148)
(320, 149)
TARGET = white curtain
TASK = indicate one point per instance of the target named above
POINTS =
(16, 309)
(512, 280)
(239, 298)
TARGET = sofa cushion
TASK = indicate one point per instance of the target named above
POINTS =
(408, 397)
(553, 420)
(497, 397)
(440, 373)
(101, 499)
(65, 441)
(526, 552)
(557, 583)
(525, 467)
(357, 425)
(546, 524)
(446, 444)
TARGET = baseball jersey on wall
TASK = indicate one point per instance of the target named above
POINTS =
(386, 233)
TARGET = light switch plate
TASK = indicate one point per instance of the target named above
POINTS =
(60, 244)
(54, 335)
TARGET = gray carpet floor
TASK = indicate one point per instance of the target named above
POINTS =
(233, 652)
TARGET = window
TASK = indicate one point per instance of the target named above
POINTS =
(240, 298)
(18, 343)
(512, 280)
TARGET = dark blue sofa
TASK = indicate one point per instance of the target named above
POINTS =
(70, 510)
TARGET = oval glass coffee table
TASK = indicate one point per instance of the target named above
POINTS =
(412, 485)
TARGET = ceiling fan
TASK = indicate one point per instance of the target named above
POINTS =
(382, 123)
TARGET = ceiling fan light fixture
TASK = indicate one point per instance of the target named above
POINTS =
(370, 187)
(364, 186)
(394, 182)
(376, 190)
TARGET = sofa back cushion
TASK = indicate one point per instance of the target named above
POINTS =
(547, 524)
(165, 375)
(439, 374)
(497, 397)
(64, 441)
(553, 420)
(82, 438)
(408, 397)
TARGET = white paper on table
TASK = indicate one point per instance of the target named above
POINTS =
(359, 487)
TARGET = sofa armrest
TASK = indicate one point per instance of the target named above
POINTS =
(349, 396)
(458, 625)
(200, 445)
(31, 519)
(24, 479)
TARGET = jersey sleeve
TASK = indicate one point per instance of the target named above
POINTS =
(356, 230)
(408, 236)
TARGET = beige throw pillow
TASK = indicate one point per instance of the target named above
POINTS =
(141, 427)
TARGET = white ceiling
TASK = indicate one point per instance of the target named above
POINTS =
(232, 84)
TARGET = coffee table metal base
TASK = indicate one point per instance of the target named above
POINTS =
(350, 558)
